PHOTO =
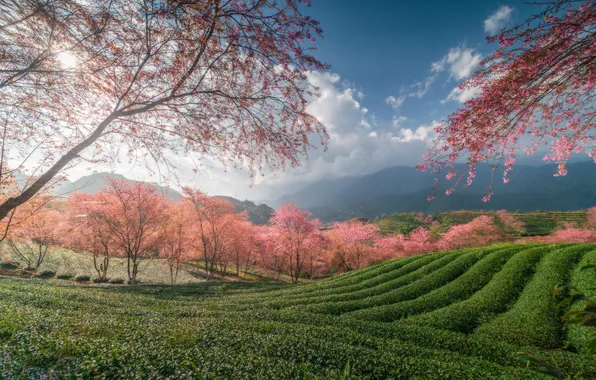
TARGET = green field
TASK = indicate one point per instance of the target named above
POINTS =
(459, 314)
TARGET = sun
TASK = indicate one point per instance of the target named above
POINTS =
(66, 60)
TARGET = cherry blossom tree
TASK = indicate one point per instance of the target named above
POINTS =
(291, 233)
(567, 234)
(481, 231)
(270, 257)
(31, 237)
(389, 247)
(214, 220)
(352, 244)
(242, 245)
(222, 79)
(132, 215)
(510, 222)
(87, 230)
(315, 265)
(175, 236)
(591, 218)
(537, 89)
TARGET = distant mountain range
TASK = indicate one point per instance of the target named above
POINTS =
(404, 189)
(91, 184)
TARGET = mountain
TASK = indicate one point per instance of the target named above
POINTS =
(401, 189)
(91, 184)
(257, 213)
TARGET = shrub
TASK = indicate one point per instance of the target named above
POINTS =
(503, 289)
(45, 274)
(82, 278)
(424, 284)
(65, 276)
(99, 280)
(376, 285)
(535, 318)
(9, 265)
(459, 289)
(117, 281)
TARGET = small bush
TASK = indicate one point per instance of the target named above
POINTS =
(8, 265)
(82, 278)
(29, 269)
(65, 276)
(45, 274)
(98, 280)
(117, 281)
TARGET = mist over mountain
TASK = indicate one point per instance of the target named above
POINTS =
(404, 189)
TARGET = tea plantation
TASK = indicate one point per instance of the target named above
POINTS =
(458, 314)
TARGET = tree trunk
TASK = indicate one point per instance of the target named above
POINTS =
(13, 202)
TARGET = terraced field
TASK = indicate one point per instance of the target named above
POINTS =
(458, 314)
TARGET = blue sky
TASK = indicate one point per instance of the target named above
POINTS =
(382, 47)
(395, 66)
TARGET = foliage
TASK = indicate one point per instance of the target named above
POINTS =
(535, 318)
(223, 79)
(291, 235)
(31, 237)
(480, 231)
(539, 83)
(242, 330)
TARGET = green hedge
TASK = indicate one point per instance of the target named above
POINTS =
(535, 319)
(374, 286)
(584, 281)
(457, 290)
(425, 279)
(495, 297)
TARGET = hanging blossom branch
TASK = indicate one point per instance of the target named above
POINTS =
(219, 78)
(537, 89)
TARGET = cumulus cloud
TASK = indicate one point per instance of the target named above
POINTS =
(462, 96)
(422, 133)
(460, 61)
(497, 20)
(395, 102)
(359, 145)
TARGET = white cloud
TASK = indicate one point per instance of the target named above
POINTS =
(359, 145)
(395, 102)
(422, 133)
(462, 96)
(396, 121)
(422, 87)
(497, 20)
(460, 62)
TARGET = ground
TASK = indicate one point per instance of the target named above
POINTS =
(457, 314)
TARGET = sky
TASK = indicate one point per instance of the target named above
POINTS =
(395, 68)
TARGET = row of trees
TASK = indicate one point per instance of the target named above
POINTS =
(135, 223)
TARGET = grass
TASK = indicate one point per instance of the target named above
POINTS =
(443, 307)
(67, 264)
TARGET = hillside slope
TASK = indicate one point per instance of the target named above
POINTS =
(456, 314)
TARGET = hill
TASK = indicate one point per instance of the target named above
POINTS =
(456, 314)
(258, 214)
(93, 183)
(404, 189)
(536, 223)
